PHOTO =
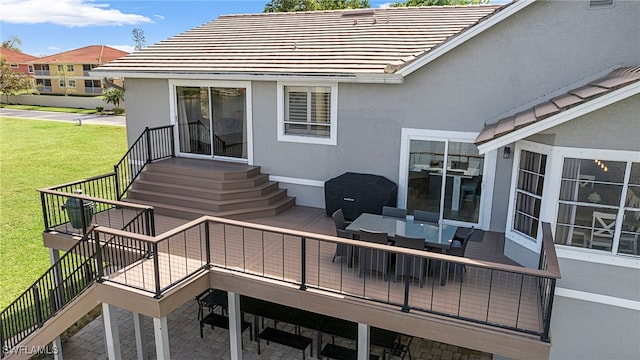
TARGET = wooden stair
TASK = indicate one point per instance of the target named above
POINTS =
(189, 188)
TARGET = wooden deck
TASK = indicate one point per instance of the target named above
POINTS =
(484, 295)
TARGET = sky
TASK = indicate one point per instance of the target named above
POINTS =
(48, 27)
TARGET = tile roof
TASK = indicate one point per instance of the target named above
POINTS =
(613, 81)
(373, 41)
(93, 54)
(15, 57)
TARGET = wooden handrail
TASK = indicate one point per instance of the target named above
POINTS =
(98, 200)
(547, 244)
(329, 238)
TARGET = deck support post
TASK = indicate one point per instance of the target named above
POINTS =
(141, 335)
(235, 326)
(363, 341)
(112, 338)
(161, 334)
(54, 257)
(56, 347)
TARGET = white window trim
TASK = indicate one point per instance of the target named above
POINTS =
(533, 244)
(61, 83)
(578, 253)
(488, 171)
(173, 112)
(71, 83)
(333, 128)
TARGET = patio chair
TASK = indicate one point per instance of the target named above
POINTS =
(394, 212)
(426, 216)
(371, 260)
(401, 350)
(407, 265)
(341, 224)
(458, 248)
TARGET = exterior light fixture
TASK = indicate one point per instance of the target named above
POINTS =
(506, 152)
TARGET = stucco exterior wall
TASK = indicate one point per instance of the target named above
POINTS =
(614, 127)
(147, 105)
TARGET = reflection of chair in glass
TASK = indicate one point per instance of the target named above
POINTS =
(602, 227)
(470, 186)
(394, 212)
(426, 216)
(341, 224)
(407, 265)
(371, 260)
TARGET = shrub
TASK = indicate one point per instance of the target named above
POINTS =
(99, 108)
(118, 111)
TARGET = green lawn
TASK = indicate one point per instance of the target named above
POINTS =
(36, 154)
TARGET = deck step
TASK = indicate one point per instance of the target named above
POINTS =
(190, 188)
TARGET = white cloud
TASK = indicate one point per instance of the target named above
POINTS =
(71, 13)
(385, 5)
(54, 48)
(158, 16)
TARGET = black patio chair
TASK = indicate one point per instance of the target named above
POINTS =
(341, 224)
(394, 212)
(407, 265)
(371, 260)
(426, 216)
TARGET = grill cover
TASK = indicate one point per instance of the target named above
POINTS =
(359, 193)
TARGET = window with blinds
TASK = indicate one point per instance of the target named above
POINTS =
(307, 111)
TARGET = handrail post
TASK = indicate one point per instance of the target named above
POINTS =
(207, 244)
(156, 270)
(117, 183)
(148, 135)
(547, 316)
(173, 144)
(405, 305)
(38, 305)
(303, 258)
(45, 215)
(98, 257)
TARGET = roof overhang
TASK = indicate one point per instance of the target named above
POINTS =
(463, 37)
(561, 118)
(334, 77)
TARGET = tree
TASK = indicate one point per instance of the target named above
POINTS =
(12, 43)
(313, 5)
(437, 2)
(138, 39)
(12, 82)
(114, 96)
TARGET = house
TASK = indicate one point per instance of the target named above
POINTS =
(518, 119)
(68, 72)
(18, 60)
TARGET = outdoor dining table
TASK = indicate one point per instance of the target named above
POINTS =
(437, 236)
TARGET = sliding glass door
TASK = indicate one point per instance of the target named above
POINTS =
(445, 176)
(212, 121)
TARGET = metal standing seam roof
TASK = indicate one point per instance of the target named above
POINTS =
(613, 81)
(373, 41)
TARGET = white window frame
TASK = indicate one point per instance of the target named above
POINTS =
(333, 125)
(561, 153)
(71, 83)
(70, 68)
(531, 243)
(173, 113)
(30, 69)
(61, 83)
(488, 170)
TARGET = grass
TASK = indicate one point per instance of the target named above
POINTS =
(50, 108)
(36, 154)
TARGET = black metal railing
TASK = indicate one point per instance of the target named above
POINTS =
(548, 262)
(153, 144)
(498, 295)
(69, 212)
(63, 282)
(73, 273)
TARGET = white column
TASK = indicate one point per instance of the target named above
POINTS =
(54, 257)
(112, 338)
(235, 326)
(161, 334)
(141, 336)
(57, 348)
(363, 341)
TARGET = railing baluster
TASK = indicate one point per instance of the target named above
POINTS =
(303, 259)
(156, 271)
